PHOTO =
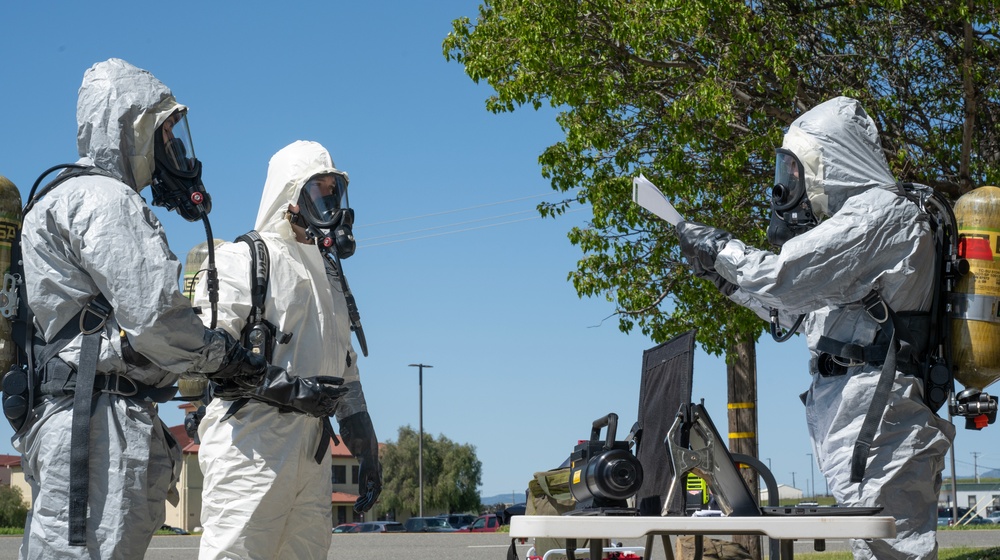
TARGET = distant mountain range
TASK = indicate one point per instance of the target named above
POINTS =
(502, 499)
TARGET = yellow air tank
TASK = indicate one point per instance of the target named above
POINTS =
(976, 298)
(10, 222)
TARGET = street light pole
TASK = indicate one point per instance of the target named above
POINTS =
(420, 442)
(812, 474)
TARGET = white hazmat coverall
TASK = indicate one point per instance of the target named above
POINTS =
(264, 495)
(871, 239)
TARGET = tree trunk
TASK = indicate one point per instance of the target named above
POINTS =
(741, 371)
(969, 98)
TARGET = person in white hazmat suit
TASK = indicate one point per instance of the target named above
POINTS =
(267, 481)
(93, 239)
(846, 235)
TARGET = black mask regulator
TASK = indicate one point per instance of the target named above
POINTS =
(791, 212)
(177, 187)
(338, 238)
(786, 224)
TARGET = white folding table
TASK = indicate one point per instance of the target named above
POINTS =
(784, 529)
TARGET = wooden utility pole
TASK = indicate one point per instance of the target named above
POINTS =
(741, 369)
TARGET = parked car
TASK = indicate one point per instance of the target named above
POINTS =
(967, 520)
(346, 528)
(428, 525)
(949, 512)
(175, 530)
(489, 523)
(458, 520)
(517, 509)
(993, 517)
(379, 527)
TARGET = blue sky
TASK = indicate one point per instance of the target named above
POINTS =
(453, 269)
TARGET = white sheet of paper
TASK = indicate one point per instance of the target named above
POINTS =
(645, 194)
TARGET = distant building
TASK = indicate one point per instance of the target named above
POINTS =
(9, 465)
(785, 492)
(984, 498)
(187, 513)
(11, 474)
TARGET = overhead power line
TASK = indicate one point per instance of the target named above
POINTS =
(414, 235)
(464, 230)
(432, 228)
(444, 212)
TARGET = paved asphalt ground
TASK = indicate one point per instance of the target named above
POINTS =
(465, 546)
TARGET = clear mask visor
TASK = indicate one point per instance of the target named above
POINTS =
(789, 181)
(177, 145)
(323, 199)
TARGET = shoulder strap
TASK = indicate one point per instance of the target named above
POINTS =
(260, 271)
(75, 170)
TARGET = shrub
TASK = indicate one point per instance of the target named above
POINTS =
(13, 512)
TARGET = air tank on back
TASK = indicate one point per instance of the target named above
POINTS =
(10, 222)
(976, 296)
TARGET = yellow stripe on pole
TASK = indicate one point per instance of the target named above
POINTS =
(736, 405)
(742, 435)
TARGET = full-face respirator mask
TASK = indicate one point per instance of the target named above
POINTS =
(177, 182)
(791, 212)
(325, 213)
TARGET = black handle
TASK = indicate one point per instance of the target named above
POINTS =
(611, 421)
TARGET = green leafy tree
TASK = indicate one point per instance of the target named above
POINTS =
(452, 475)
(13, 512)
(696, 94)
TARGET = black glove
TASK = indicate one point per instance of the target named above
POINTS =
(359, 436)
(725, 286)
(240, 370)
(315, 396)
(700, 244)
(191, 422)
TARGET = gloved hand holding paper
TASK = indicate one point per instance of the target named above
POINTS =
(646, 194)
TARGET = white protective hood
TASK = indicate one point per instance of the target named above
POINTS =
(287, 172)
(321, 339)
(119, 108)
(837, 143)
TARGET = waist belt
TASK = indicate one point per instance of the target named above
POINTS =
(57, 384)
(837, 356)
(324, 440)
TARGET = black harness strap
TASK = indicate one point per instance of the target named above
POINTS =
(83, 399)
(900, 343)
(863, 445)
(324, 440)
